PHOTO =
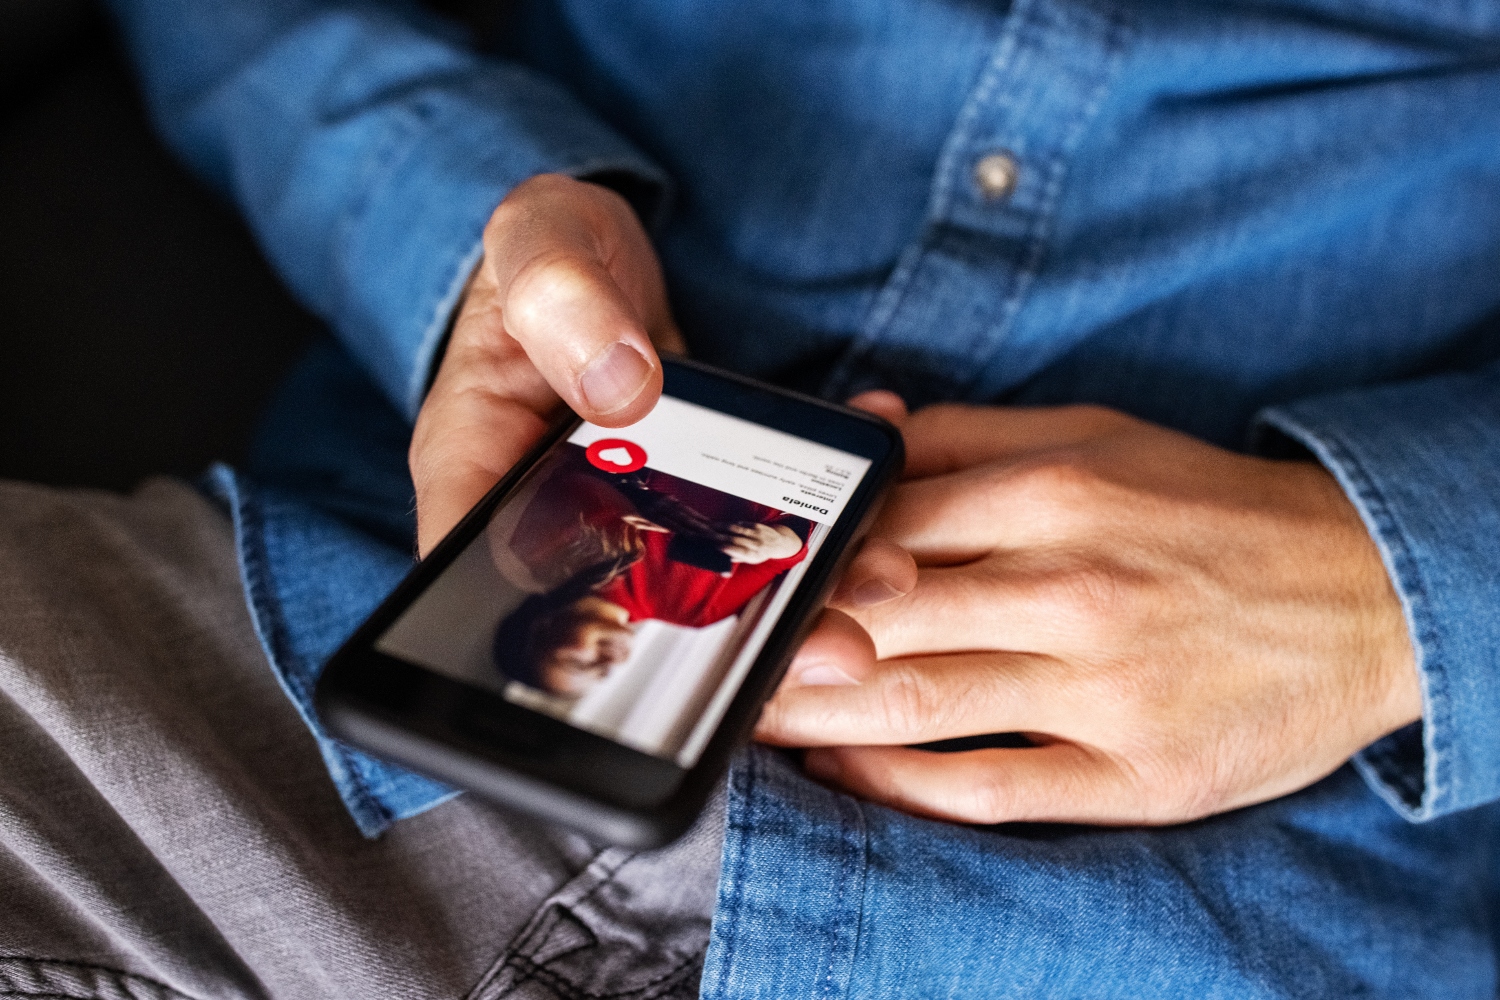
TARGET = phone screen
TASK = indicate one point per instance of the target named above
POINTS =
(628, 581)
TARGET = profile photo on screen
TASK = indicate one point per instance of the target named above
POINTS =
(615, 562)
(628, 581)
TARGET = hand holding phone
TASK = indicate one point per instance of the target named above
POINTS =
(566, 304)
(597, 636)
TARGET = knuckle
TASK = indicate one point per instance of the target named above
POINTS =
(502, 220)
(787, 719)
(542, 284)
(545, 185)
(877, 773)
(773, 719)
(1090, 602)
(991, 799)
(523, 202)
(1059, 495)
(908, 703)
(1063, 478)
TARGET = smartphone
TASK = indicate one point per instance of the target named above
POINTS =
(596, 638)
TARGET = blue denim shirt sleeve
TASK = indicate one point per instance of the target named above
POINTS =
(366, 147)
(1421, 462)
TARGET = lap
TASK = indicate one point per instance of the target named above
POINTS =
(1324, 893)
(166, 823)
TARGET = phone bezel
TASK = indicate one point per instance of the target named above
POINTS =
(475, 738)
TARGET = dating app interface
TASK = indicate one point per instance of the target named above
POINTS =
(628, 584)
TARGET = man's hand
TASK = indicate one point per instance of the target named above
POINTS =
(755, 543)
(567, 303)
(1179, 629)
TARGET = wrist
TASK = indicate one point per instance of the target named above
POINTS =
(1384, 657)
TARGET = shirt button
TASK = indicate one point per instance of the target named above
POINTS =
(996, 174)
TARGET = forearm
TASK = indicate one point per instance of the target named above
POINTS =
(367, 148)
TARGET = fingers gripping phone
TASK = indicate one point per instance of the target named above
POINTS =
(596, 638)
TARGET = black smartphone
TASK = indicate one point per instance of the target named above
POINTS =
(596, 638)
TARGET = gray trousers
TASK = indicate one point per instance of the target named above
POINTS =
(167, 829)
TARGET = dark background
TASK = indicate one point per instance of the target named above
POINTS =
(142, 330)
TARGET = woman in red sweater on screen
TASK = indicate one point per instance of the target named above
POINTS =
(658, 547)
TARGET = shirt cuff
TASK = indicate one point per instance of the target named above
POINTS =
(1421, 463)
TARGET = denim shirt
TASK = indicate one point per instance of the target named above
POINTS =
(1273, 225)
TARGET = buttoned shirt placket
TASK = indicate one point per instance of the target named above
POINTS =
(943, 316)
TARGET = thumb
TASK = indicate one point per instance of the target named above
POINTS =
(581, 291)
(564, 305)
(838, 652)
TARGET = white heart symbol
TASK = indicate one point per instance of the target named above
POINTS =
(616, 456)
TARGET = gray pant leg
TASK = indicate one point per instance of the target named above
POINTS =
(167, 828)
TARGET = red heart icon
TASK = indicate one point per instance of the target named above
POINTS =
(616, 455)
